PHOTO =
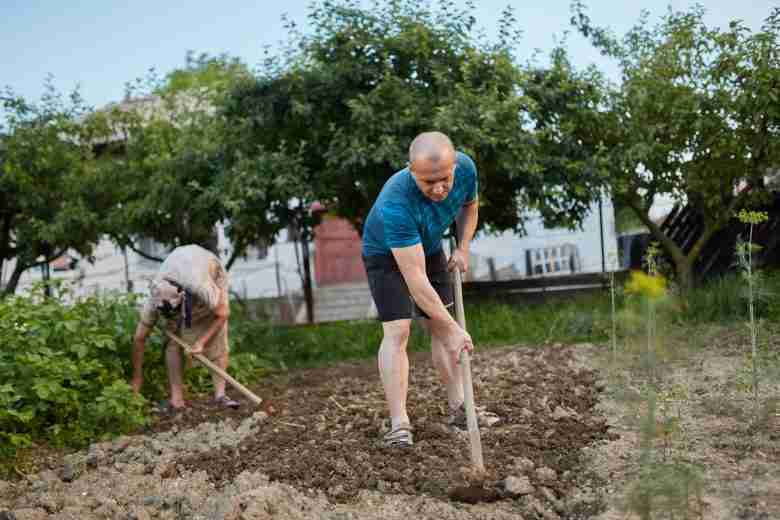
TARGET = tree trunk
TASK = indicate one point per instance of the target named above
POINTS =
(13, 282)
(46, 276)
(128, 281)
(682, 264)
(5, 236)
(684, 270)
(307, 290)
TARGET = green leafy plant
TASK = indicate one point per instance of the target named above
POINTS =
(64, 370)
(65, 364)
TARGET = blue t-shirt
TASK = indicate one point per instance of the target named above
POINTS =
(403, 216)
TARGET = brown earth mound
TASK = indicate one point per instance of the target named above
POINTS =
(325, 425)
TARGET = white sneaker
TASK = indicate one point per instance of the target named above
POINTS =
(400, 437)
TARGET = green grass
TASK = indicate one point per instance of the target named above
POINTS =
(724, 300)
(580, 319)
(490, 325)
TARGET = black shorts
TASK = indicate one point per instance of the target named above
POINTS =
(389, 290)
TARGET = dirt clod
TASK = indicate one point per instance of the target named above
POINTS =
(474, 494)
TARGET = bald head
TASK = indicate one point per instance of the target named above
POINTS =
(431, 146)
(432, 164)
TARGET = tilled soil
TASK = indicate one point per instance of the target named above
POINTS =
(325, 429)
(312, 451)
(569, 446)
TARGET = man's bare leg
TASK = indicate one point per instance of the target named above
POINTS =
(394, 368)
(219, 382)
(447, 366)
(173, 361)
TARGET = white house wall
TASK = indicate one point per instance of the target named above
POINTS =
(253, 277)
(250, 277)
(509, 250)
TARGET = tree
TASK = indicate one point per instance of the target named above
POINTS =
(351, 95)
(364, 83)
(561, 111)
(695, 118)
(165, 157)
(403, 68)
(48, 197)
(274, 160)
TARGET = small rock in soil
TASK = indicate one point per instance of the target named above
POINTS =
(68, 473)
(92, 459)
(562, 413)
(524, 465)
(546, 475)
(7, 515)
(153, 501)
(517, 486)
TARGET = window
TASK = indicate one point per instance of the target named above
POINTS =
(556, 259)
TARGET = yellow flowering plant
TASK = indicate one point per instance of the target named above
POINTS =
(652, 287)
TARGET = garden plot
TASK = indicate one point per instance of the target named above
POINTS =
(313, 450)
(566, 449)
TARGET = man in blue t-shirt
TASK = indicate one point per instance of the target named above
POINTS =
(408, 272)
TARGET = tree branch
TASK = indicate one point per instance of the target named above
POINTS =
(668, 244)
(21, 267)
(238, 250)
(47, 259)
(141, 253)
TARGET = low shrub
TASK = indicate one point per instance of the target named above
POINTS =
(64, 370)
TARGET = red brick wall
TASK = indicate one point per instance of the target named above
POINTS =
(337, 257)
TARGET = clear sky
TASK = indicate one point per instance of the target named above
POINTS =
(100, 45)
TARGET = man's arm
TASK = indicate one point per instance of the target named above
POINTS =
(142, 331)
(466, 223)
(411, 262)
(221, 313)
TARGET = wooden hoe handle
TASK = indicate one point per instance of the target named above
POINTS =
(215, 369)
(468, 387)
